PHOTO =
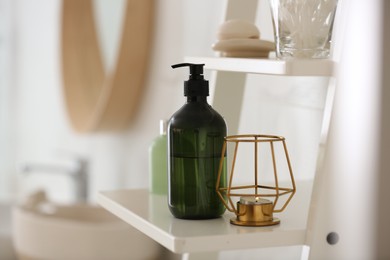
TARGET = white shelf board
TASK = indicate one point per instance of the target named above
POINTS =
(149, 213)
(270, 66)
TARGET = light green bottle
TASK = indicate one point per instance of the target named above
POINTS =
(158, 178)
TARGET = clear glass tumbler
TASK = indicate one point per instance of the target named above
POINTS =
(303, 28)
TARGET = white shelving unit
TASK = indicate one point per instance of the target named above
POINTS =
(149, 213)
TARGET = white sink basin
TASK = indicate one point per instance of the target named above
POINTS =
(43, 230)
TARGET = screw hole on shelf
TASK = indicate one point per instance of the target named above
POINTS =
(332, 238)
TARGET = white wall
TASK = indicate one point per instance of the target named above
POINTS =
(42, 131)
(6, 122)
(286, 106)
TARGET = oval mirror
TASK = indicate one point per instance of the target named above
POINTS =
(98, 99)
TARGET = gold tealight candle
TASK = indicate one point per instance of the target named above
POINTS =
(254, 211)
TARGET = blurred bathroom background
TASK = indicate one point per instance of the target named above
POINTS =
(35, 127)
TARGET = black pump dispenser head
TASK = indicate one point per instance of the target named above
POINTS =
(196, 85)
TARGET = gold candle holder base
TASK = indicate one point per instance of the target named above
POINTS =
(236, 222)
(256, 214)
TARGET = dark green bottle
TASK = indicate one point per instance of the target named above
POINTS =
(195, 138)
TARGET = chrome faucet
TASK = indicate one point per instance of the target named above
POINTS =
(78, 171)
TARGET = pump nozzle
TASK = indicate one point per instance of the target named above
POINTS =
(196, 85)
(195, 69)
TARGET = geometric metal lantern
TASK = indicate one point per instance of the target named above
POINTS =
(254, 207)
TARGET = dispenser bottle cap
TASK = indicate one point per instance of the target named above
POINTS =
(163, 127)
(196, 85)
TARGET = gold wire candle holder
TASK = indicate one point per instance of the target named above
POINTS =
(257, 201)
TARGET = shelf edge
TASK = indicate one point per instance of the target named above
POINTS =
(136, 221)
(297, 67)
(179, 244)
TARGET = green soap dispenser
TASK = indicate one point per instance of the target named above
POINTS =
(195, 138)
